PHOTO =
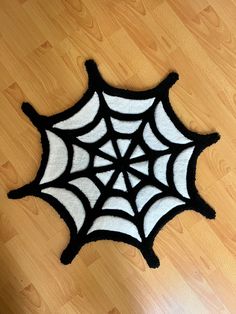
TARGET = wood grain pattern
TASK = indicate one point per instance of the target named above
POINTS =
(43, 46)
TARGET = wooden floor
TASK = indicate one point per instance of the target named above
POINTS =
(43, 46)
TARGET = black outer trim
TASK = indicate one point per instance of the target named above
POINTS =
(96, 83)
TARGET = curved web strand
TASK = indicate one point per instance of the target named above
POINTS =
(117, 165)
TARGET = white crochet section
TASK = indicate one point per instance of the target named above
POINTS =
(141, 166)
(126, 105)
(160, 168)
(125, 127)
(100, 161)
(145, 194)
(57, 158)
(133, 180)
(82, 117)
(95, 134)
(123, 146)
(137, 152)
(80, 159)
(105, 177)
(120, 183)
(117, 224)
(71, 203)
(151, 140)
(119, 203)
(180, 170)
(167, 128)
(88, 188)
(158, 210)
(108, 148)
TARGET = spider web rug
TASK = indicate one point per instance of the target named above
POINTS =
(117, 165)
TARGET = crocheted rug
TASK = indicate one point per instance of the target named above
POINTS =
(117, 165)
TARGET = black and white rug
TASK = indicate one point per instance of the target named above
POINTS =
(117, 165)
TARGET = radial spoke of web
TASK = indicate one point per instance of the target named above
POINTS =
(110, 126)
(107, 189)
(105, 155)
(129, 190)
(96, 151)
(138, 159)
(136, 136)
(131, 198)
(148, 179)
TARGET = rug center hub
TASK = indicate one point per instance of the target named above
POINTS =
(121, 164)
